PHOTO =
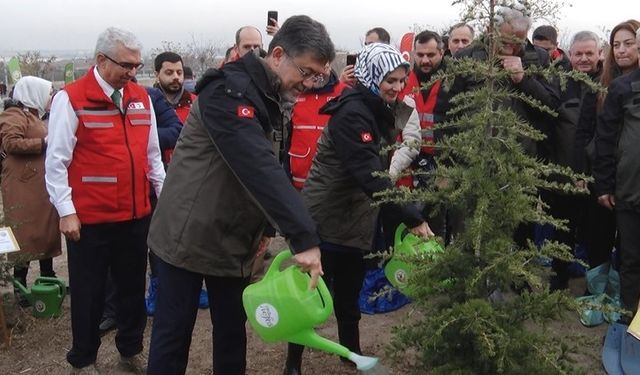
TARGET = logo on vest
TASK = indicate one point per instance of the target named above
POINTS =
(246, 111)
(366, 137)
(136, 105)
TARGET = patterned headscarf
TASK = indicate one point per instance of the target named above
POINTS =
(374, 62)
(33, 92)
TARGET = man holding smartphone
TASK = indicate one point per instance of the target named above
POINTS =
(375, 35)
(272, 22)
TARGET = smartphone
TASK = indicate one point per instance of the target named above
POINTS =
(272, 14)
(351, 59)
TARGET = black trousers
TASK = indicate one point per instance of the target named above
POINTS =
(175, 317)
(563, 206)
(597, 232)
(629, 232)
(122, 248)
(46, 269)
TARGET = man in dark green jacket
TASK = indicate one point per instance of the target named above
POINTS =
(225, 187)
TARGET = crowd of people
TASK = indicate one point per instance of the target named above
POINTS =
(195, 179)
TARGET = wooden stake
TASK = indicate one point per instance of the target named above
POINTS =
(4, 333)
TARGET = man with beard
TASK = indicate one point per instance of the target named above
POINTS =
(431, 104)
(169, 73)
(224, 188)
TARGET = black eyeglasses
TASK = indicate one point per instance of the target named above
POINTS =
(125, 66)
(316, 78)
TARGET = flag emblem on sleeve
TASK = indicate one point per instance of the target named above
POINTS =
(246, 111)
(366, 137)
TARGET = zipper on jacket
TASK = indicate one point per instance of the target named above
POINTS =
(133, 173)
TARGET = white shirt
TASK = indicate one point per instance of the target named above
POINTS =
(61, 142)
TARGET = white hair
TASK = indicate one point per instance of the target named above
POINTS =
(517, 18)
(584, 36)
(110, 39)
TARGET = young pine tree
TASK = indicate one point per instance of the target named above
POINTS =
(469, 321)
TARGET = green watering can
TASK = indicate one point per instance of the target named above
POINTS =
(405, 245)
(46, 296)
(281, 307)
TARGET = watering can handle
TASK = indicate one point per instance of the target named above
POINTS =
(277, 262)
(326, 296)
(54, 280)
(399, 231)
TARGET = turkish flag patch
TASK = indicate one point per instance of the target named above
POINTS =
(366, 137)
(246, 111)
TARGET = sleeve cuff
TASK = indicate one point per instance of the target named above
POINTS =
(65, 208)
(299, 245)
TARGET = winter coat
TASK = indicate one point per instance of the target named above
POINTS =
(340, 187)
(169, 125)
(534, 86)
(25, 200)
(411, 136)
(616, 168)
(562, 139)
(224, 183)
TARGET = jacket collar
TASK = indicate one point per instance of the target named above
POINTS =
(262, 75)
(426, 77)
(331, 83)
(382, 112)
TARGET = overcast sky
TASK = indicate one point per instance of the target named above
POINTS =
(74, 24)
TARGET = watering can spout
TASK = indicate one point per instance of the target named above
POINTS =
(311, 339)
(23, 290)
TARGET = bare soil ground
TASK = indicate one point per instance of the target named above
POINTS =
(39, 346)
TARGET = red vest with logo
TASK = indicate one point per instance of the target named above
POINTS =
(108, 173)
(307, 125)
(424, 106)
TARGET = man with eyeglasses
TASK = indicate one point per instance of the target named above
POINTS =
(102, 153)
(224, 194)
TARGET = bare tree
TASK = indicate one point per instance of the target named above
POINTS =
(200, 54)
(33, 63)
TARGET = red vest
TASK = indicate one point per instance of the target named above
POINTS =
(108, 173)
(184, 106)
(307, 125)
(424, 106)
(182, 110)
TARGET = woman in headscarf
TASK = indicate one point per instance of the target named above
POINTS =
(25, 200)
(340, 186)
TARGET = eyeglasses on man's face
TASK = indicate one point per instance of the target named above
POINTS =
(316, 78)
(123, 65)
